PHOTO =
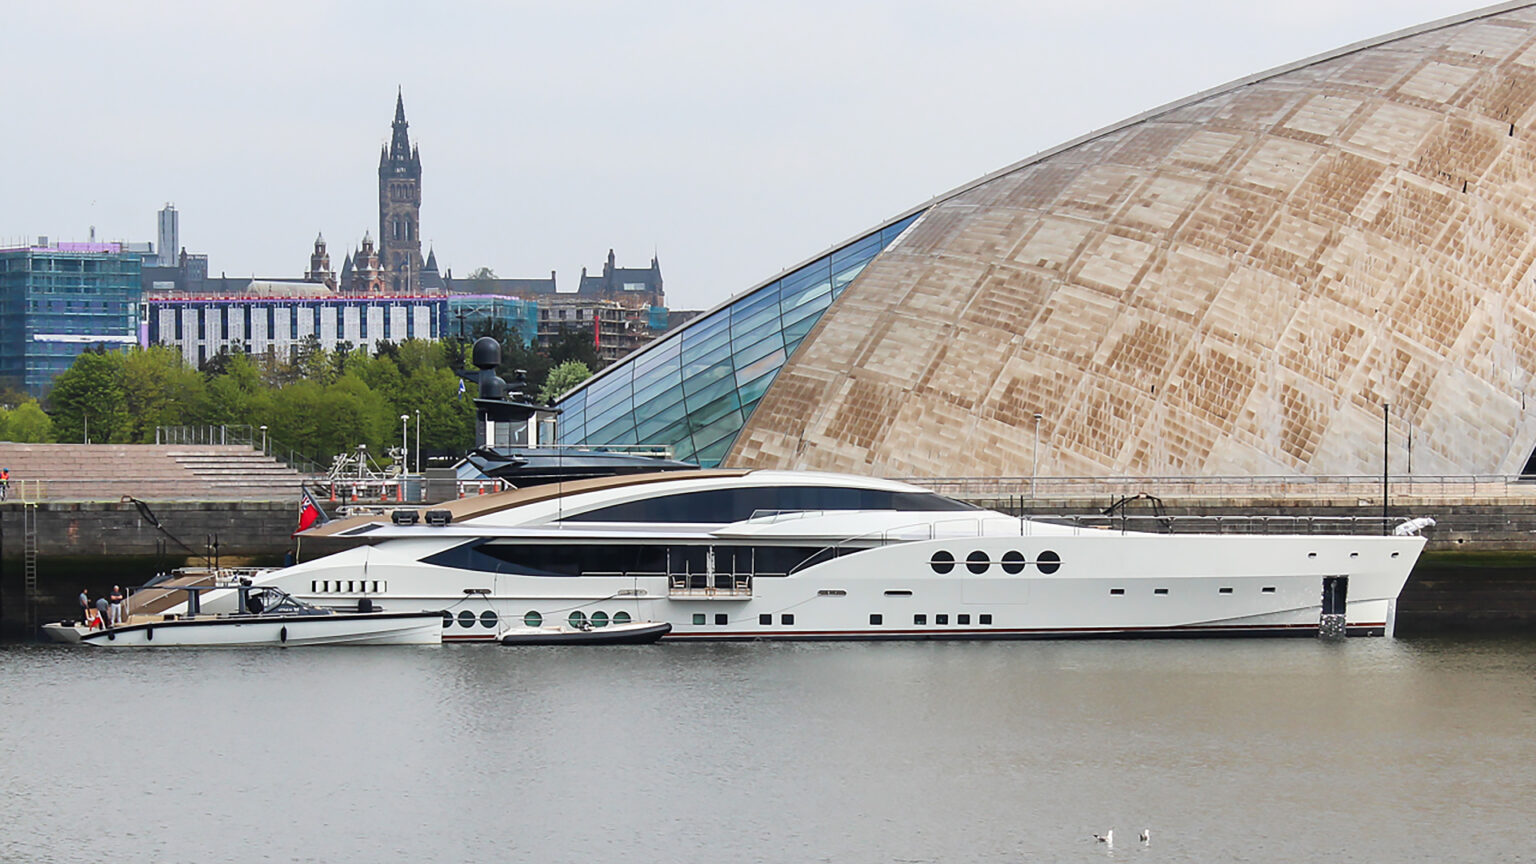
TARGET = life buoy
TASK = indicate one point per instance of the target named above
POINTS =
(282, 635)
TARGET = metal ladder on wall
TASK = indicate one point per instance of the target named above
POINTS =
(29, 555)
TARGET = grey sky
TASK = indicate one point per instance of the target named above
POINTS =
(732, 139)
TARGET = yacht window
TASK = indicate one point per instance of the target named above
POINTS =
(533, 619)
(941, 619)
(786, 619)
(876, 619)
(898, 593)
(1267, 589)
(734, 505)
(698, 617)
(1048, 561)
(488, 619)
(1013, 562)
(919, 619)
(1116, 592)
(577, 619)
(765, 620)
(1224, 590)
(977, 562)
(599, 619)
(447, 618)
(722, 618)
(621, 617)
(631, 559)
(466, 619)
(962, 619)
(1159, 590)
(985, 618)
(942, 562)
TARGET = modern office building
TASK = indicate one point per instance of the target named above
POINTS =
(467, 313)
(57, 300)
(168, 224)
(1304, 272)
(277, 318)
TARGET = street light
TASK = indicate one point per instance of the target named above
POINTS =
(1386, 418)
(405, 455)
(418, 440)
(263, 440)
(1034, 462)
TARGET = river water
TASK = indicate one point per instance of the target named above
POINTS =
(1369, 750)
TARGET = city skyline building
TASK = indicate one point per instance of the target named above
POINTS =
(58, 300)
(400, 207)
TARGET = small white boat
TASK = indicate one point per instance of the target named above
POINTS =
(629, 633)
(266, 616)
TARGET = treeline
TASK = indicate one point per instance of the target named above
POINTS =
(318, 403)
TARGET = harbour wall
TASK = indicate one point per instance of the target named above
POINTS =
(1478, 575)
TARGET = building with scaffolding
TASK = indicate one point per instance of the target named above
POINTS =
(59, 299)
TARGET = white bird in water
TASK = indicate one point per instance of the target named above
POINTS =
(1146, 836)
(1107, 838)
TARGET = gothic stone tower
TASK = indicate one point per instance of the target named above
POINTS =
(400, 208)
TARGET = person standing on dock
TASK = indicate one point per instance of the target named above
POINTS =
(5, 483)
(85, 607)
(116, 607)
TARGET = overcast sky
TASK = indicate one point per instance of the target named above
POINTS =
(732, 140)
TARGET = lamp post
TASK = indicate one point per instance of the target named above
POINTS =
(1386, 419)
(418, 440)
(1034, 462)
(263, 439)
(405, 454)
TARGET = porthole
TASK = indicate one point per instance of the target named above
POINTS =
(533, 619)
(447, 618)
(1048, 561)
(977, 562)
(599, 619)
(621, 617)
(488, 618)
(1013, 562)
(577, 618)
(942, 562)
(466, 619)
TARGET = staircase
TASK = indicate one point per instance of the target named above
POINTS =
(178, 472)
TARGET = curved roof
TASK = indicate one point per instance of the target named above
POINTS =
(1233, 283)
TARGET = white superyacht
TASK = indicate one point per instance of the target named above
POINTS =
(731, 554)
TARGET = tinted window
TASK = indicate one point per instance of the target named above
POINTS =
(622, 559)
(734, 505)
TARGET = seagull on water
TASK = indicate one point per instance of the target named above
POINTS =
(1146, 836)
(1107, 838)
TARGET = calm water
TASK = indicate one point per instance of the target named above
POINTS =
(1267, 750)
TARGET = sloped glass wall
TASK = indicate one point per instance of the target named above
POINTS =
(695, 389)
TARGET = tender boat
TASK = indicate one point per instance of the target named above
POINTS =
(632, 633)
(265, 615)
(732, 554)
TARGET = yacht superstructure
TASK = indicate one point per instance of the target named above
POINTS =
(790, 555)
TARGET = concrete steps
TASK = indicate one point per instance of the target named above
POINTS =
(109, 472)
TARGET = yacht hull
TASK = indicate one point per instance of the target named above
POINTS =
(376, 628)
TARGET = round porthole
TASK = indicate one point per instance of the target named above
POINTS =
(533, 619)
(1013, 562)
(621, 617)
(466, 618)
(488, 618)
(1048, 561)
(977, 562)
(447, 618)
(599, 619)
(578, 619)
(942, 562)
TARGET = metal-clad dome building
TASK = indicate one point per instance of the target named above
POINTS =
(1235, 283)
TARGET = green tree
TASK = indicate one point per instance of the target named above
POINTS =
(160, 389)
(90, 395)
(232, 396)
(575, 345)
(26, 423)
(562, 378)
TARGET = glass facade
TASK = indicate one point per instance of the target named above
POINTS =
(694, 389)
(470, 311)
(57, 301)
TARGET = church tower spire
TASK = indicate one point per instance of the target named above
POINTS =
(400, 207)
